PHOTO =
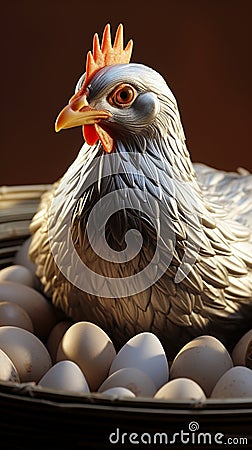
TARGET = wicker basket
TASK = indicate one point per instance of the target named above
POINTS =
(33, 417)
(18, 204)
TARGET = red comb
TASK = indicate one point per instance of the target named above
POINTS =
(107, 54)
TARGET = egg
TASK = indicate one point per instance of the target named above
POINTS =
(13, 314)
(55, 337)
(66, 376)
(130, 378)
(181, 389)
(39, 309)
(204, 360)
(242, 352)
(235, 383)
(119, 392)
(145, 352)
(8, 371)
(22, 256)
(91, 348)
(26, 351)
(18, 274)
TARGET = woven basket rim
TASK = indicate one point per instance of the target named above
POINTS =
(33, 392)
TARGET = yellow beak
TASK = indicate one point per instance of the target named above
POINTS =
(78, 112)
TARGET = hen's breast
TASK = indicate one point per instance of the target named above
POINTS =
(111, 231)
(96, 238)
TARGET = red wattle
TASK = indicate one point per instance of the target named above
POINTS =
(90, 134)
(93, 133)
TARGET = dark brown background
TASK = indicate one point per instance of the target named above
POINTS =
(201, 47)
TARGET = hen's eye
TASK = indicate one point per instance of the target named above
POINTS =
(122, 96)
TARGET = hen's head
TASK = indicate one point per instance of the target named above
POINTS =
(120, 101)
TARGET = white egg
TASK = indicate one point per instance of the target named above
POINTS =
(26, 351)
(8, 371)
(39, 309)
(145, 352)
(91, 348)
(119, 392)
(181, 389)
(242, 352)
(12, 314)
(55, 337)
(22, 256)
(66, 376)
(235, 383)
(17, 274)
(131, 378)
(204, 360)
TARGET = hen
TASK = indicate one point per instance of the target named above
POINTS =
(134, 237)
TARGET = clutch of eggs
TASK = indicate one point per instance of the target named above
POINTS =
(39, 345)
